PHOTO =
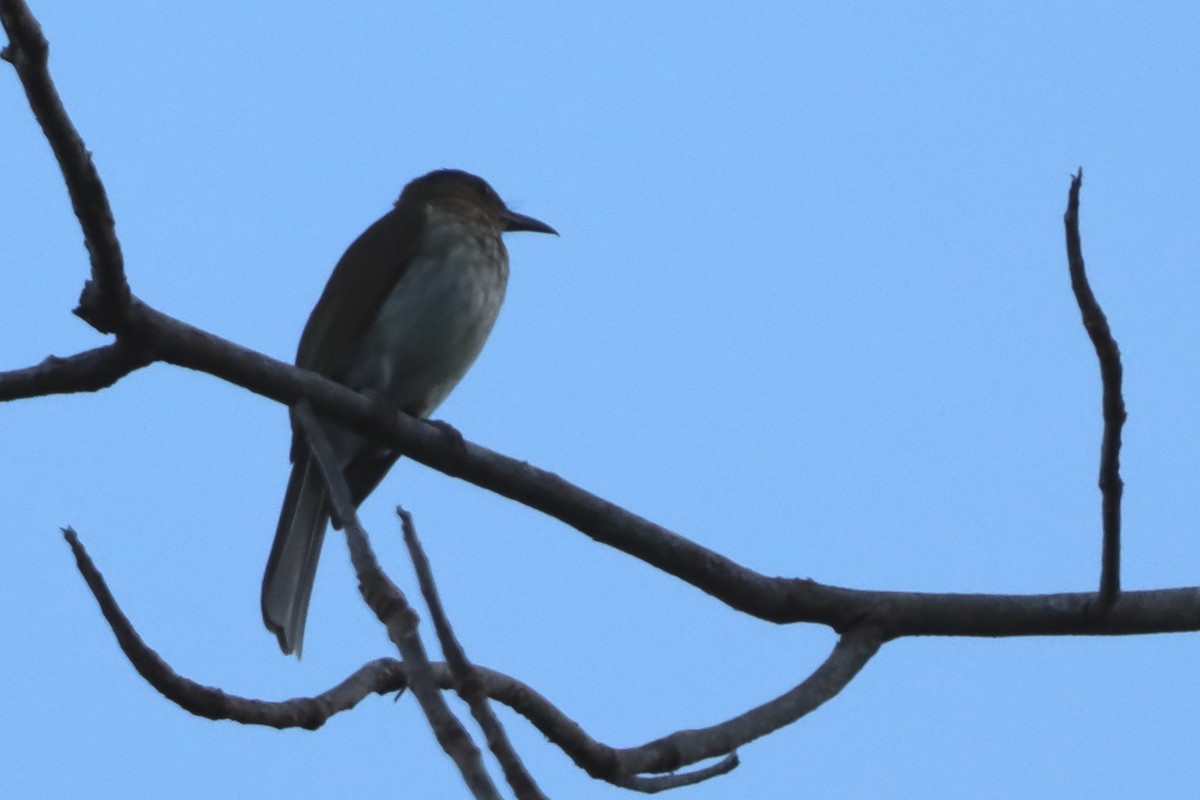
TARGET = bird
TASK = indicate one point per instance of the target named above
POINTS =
(404, 315)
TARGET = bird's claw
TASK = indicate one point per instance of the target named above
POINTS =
(452, 433)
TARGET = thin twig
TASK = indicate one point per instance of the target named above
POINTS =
(107, 295)
(1111, 485)
(89, 371)
(393, 610)
(852, 652)
(617, 766)
(466, 681)
(382, 676)
(211, 703)
(662, 783)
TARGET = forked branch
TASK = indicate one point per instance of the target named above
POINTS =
(392, 609)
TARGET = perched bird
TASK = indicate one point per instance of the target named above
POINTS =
(403, 317)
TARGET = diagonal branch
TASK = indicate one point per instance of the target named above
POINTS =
(1109, 355)
(774, 599)
(392, 608)
(107, 295)
(466, 681)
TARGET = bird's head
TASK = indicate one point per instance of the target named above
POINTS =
(470, 196)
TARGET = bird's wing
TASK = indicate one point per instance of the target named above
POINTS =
(363, 278)
(361, 281)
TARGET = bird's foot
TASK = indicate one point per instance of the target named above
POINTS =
(452, 433)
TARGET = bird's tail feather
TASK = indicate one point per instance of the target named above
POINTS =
(292, 566)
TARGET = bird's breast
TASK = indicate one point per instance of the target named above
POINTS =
(434, 323)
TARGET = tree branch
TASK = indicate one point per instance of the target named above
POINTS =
(466, 681)
(212, 703)
(775, 599)
(853, 651)
(392, 608)
(1109, 355)
(107, 295)
(384, 676)
(89, 371)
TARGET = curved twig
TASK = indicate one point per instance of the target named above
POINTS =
(385, 676)
(852, 652)
(1109, 355)
(211, 703)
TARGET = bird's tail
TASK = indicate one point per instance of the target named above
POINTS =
(292, 566)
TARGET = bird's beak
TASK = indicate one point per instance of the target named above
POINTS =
(519, 222)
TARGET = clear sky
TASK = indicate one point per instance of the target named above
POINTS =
(809, 308)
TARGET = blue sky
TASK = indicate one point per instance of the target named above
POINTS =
(809, 308)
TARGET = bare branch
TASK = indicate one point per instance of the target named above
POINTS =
(107, 295)
(1109, 355)
(618, 766)
(466, 682)
(211, 703)
(89, 371)
(381, 676)
(392, 608)
(773, 599)
(853, 651)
